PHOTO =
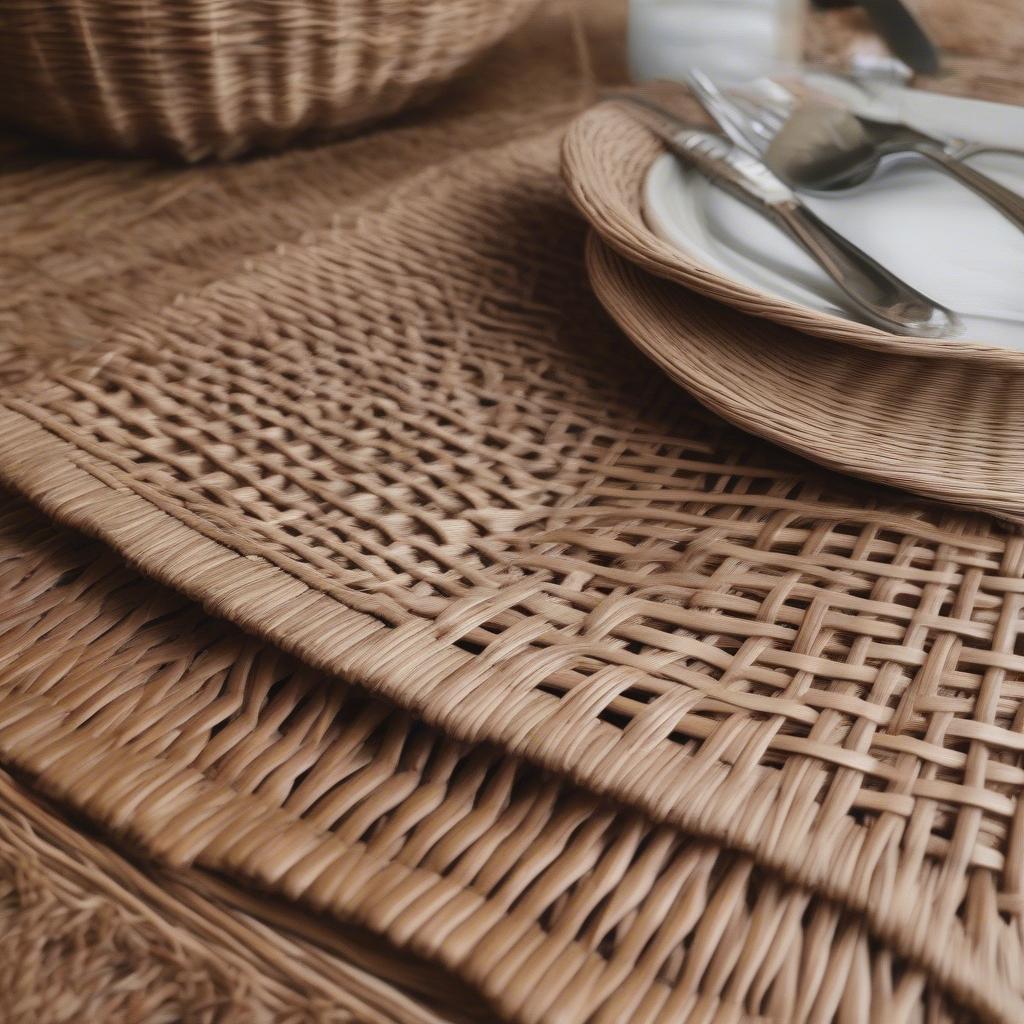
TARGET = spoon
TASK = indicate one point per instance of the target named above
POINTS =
(828, 148)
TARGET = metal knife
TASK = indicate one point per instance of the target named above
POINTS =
(900, 29)
(882, 298)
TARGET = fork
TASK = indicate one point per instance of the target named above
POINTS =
(753, 116)
(751, 131)
(828, 147)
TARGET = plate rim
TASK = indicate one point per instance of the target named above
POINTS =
(607, 155)
(656, 208)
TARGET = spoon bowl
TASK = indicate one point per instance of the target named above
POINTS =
(826, 148)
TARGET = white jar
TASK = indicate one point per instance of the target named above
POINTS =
(732, 40)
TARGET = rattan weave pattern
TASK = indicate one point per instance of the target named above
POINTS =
(410, 447)
(498, 515)
(88, 935)
(147, 715)
(201, 78)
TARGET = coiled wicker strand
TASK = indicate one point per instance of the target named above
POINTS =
(212, 78)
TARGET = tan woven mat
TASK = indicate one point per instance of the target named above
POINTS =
(89, 935)
(407, 446)
(198, 744)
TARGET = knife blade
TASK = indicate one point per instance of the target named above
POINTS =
(903, 33)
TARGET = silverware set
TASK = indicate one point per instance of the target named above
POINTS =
(775, 142)
(825, 147)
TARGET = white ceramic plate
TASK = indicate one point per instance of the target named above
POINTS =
(918, 222)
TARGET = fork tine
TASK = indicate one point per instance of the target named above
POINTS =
(764, 119)
(727, 115)
(771, 93)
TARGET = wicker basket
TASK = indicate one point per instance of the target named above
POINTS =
(212, 78)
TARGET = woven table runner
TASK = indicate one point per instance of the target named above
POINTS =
(407, 447)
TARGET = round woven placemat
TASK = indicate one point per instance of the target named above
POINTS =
(88, 933)
(203, 745)
(92, 933)
(436, 469)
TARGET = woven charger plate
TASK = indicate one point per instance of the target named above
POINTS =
(945, 428)
(947, 433)
(606, 157)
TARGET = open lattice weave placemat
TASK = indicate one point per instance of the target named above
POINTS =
(407, 447)
(200, 744)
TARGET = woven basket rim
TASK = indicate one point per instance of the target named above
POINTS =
(197, 80)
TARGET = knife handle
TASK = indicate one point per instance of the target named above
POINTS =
(960, 150)
(1009, 203)
(888, 302)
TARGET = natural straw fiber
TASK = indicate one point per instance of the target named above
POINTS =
(408, 446)
(88, 935)
(157, 721)
(201, 78)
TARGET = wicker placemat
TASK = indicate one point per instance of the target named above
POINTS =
(200, 744)
(409, 446)
(436, 469)
(948, 433)
(87, 934)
